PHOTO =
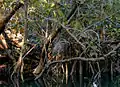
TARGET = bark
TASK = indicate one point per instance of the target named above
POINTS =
(39, 68)
(8, 17)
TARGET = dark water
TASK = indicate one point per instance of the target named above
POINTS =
(105, 82)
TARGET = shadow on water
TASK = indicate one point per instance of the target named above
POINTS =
(72, 82)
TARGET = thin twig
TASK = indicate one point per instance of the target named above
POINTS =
(112, 51)
(76, 39)
(76, 58)
(29, 51)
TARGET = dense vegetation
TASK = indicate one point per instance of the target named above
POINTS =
(59, 43)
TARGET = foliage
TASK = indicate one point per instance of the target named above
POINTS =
(86, 31)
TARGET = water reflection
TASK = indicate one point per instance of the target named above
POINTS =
(73, 81)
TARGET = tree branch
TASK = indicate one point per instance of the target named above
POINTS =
(8, 17)
(110, 42)
(118, 46)
(68, 60)
(39, 68)
(77, 58)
